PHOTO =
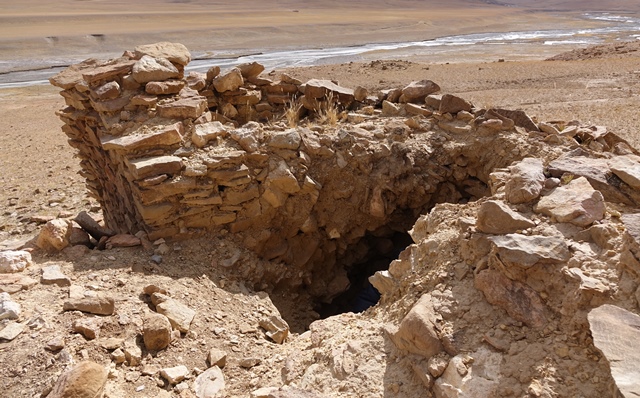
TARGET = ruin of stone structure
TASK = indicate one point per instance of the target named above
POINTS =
(531, 205)
(181, 156)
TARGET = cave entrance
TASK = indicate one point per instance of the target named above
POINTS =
(375, 251)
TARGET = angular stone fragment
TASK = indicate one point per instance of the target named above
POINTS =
(452, 104)
(132, 353)
(207, 131)
(184, 108)
(525, 251)
(164, 88)
(281, 177)
(55, 344)
(11, 331)
(616, 333)
(276, 327)
(144, 100)
(217, 358)
(180, 316)
(147, 167)
(88, 327)
(14, 261)
(288, 139)
(235, 197)
(107, 91)
(520, 301)
(520, 118)
(383, 282)
(390, 109)
(251, 69)
(414, 109)
(319, 89)
(13, 283)
(417, 331)
(156, 332)
(548, 128)
(174, 52)
(598, 173)
(526, 181)
(248, 136)
(196, 81)
(495, 217)
(110, 106)
(230, 81)
(71, 76)
(576, 203)
(85, 380)
(175, 375)
(123, 240)
(99, 305)
(52, 275)
(210, 384)
(627, 168)
(416, 92)
(149, 69)
(476, 375)
(54, 236)
(108, 70)
(9, 309)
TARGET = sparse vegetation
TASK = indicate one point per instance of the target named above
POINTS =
(328, 112)
(292, 112)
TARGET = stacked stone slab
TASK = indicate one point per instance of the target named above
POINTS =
(181, 156)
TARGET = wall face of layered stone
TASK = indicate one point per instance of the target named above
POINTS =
(178, 156)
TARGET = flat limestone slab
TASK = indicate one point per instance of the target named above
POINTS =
(616, 333)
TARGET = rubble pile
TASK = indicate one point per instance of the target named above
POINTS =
(525, 251)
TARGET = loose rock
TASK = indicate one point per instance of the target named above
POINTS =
(99, 305)
(14, 261)
(157, 332)
(85, 380)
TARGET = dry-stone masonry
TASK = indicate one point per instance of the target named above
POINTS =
(178, 156)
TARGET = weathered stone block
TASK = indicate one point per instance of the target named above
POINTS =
(147, 167)
(185, 108)
(142, 139)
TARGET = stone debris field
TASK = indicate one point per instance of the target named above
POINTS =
(241, 215)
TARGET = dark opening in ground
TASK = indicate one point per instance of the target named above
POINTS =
(375, 251)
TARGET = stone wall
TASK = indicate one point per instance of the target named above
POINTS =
(177, 156)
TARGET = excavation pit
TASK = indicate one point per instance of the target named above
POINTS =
(180, 157)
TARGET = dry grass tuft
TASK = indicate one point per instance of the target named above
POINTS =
(292, 112)
(328, 112)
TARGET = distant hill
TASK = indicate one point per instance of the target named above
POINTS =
(615, 50)
(572, 5)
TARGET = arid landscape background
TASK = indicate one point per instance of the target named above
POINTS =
(40, 178)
